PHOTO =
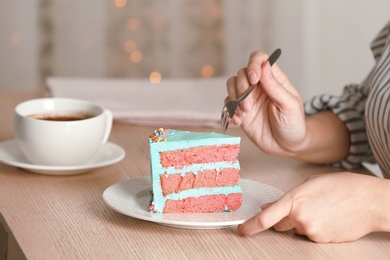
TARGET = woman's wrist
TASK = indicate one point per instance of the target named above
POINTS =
(326, 139)
(381, 205)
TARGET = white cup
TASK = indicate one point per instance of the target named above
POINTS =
(46, 140)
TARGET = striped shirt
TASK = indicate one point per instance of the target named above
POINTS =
(365, 110)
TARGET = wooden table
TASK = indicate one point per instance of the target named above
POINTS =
(64, 217)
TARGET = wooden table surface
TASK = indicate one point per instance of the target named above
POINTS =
(64, 217)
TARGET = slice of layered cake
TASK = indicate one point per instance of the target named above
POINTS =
(194, 171)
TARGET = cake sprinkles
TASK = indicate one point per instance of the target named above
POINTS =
(158, 135)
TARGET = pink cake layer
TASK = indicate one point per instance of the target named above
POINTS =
(209, 178)
(201, 154)
(209, 203)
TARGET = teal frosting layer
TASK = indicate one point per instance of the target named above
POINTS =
(177, 139)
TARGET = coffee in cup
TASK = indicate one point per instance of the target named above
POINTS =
(61, 131)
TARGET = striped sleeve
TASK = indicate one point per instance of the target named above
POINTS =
(349, 107)
(377, 114)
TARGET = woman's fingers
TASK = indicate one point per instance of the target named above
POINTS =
(231, 88)
(236, 87)
(274, 89)
(285, 224)
(266, 205)
(271, 215)
(254, 63)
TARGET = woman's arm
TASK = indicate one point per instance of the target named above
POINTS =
(326, 141)
(336, 207)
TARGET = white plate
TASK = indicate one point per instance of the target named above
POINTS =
(131, 198)
(108, 154)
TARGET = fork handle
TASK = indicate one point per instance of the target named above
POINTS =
(247, 92)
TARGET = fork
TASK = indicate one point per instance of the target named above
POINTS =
(230, 106)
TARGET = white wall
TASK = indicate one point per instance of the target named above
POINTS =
(19, 64)
(325, 43)
(83, 50)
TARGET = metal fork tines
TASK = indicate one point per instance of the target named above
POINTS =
(230, 106)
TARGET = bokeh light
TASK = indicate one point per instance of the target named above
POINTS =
(155, 77)
(133, 24)
(207, 71)
(120, 3)
(136, 56)
(130, 46)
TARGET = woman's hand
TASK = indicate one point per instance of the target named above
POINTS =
(328, 208)
(272, 115)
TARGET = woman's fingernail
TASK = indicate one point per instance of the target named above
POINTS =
(268, 70)
(252, 77)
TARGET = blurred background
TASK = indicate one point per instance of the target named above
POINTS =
(325, 44)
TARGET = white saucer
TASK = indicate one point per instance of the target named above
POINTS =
(131, 198)
(108, 154)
